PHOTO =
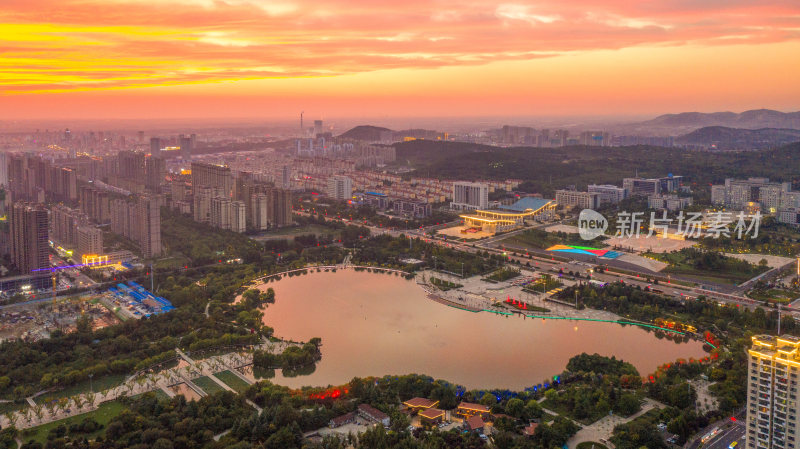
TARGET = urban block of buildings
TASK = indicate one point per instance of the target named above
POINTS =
(670, 202)
(659, 192)
(759, 194)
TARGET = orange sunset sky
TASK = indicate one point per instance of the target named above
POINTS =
(258, 58)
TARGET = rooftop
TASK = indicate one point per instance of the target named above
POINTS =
(475, 422)
(474, 407)
(343, 419)
(525, 203)
(785, 347)
(421, 402)
(431, 413)
(373, 412)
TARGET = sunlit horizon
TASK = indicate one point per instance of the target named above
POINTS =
(127, 59)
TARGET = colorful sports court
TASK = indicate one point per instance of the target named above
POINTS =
(585, 250)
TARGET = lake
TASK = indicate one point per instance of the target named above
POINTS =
(376, 324)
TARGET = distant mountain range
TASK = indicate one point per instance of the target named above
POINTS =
(754, 119)
(725, 138)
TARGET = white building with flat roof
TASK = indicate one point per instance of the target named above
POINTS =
(470, 195)
(340, 187)
(609, 194)
(573, 198)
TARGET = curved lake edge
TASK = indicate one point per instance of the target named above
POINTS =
(695, 349)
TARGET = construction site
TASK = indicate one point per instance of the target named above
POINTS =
(32, 321)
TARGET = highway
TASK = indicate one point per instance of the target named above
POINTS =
(544, 260)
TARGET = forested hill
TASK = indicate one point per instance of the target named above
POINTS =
(365, 132)
(547, 169)
(725, 138)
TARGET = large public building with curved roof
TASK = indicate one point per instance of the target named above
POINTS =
(510, 217)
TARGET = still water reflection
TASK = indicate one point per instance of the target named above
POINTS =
(378, 324)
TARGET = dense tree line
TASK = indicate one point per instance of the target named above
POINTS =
(594, 385)
(291, 357)
(387, 250)
(341, 209)
(641, 304)
(201, 243)
(546, 169)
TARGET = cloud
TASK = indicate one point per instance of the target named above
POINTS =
(524, 13)
(106, 44)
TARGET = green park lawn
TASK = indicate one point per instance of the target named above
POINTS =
(159, 394)
(775, 295)
(291, 232)
(98, 384)
(208, 385)
(708, 266)
(590, 445)
(232, 380)
(102, 415)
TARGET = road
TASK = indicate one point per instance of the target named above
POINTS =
(726, 437)
(541, 259)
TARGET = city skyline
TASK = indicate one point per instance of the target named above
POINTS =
(243, 58)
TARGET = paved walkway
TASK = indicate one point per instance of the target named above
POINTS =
(604, 427)
(37, 414)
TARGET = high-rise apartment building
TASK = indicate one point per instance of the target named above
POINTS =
(64, 223)
(212, 175)
(155, 147)
(261, 211)
(89, 240)
(286, 177)
(148, 226)
(317, 127)
(202, 203)
(29, 237)
(95, 202)
(740, 193)
(228, 214)
(773, 410)
(595, 138)
(238, 216)
(140, 221)
(155, 171)
(187, 147)
(3, 169)
(470, 195)
(282, 207)
(220, 216)
(340, 187)
(132, 165)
